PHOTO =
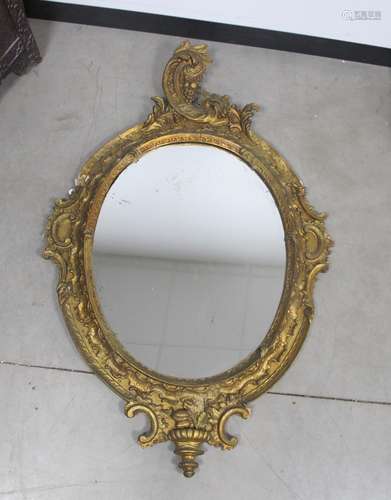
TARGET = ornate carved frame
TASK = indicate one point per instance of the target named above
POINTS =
(188, 412)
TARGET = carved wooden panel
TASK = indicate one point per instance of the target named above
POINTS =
(18, 48)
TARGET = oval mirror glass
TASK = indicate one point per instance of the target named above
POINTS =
(189, 260)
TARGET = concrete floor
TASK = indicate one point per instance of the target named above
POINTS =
(326, 435)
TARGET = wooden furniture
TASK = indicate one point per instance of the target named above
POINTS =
(18, 48)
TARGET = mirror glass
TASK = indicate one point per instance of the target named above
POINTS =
(189, 260)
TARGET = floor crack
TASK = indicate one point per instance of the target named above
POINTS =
(271, 393)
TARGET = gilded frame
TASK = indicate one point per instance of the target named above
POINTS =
(186, 412)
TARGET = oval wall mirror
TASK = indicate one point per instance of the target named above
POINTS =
(187, 255)
(189, 260)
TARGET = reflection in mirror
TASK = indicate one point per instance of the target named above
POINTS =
(189, 260)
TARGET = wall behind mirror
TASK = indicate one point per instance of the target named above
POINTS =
(189, 260)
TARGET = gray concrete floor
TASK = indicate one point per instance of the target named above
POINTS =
(62, 432)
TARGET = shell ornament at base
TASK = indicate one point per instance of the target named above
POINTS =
(187, 431)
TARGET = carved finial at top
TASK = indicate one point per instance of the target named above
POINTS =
(184, 72)
(181, 83)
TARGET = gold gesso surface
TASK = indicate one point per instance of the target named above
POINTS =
(187, 412)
